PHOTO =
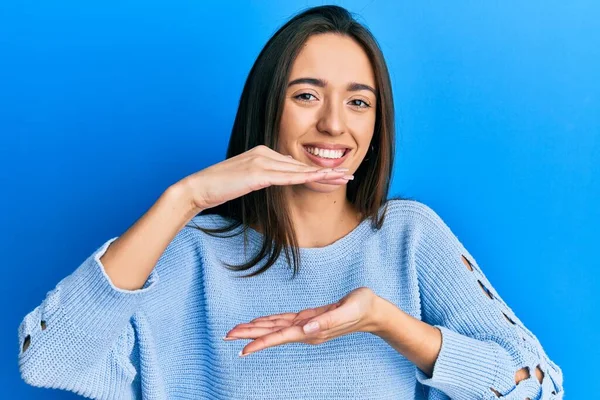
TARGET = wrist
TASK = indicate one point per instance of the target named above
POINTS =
(383, 312)
(180, 197)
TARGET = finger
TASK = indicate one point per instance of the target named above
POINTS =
(267, 323)
(287, 316)
(307, 313)
(294, 178)
(277, 165)
(300, 321)
(286, 335)
(252, 332)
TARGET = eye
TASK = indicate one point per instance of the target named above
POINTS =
(365, 104)
(303, 97)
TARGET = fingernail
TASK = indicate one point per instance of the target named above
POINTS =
(229, 338)
(326, 170)
(243, 355)
(312, 327)
(341, 169)
(348, 177)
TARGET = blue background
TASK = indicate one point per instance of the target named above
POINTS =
(104, 104)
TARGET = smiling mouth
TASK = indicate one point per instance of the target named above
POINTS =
(326, 154)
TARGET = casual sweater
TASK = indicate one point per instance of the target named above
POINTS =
(164, 341)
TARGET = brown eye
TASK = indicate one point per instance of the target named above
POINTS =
(364, 103)
(302, 97)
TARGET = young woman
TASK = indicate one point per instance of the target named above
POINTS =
(384, 301)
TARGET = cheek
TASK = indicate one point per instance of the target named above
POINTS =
(295, 121)
(363, 128)
(364, 122)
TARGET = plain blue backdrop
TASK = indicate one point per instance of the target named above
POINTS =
(103, 104)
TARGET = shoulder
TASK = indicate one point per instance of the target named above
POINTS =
(428, 229)
(417, 213)
(189, 243)
(434, 241)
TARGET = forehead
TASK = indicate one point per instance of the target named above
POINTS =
(335, 58)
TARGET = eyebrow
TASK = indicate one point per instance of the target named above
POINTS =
(352, 86)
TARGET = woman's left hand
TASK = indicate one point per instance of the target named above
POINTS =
(353, 313)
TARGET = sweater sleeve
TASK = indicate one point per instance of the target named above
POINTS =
(80, 338)
(483, 342)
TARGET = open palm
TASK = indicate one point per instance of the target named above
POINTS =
(353, 313)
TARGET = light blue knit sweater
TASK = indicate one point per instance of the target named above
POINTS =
(164, 341)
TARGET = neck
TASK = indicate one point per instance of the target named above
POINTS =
(320, 219)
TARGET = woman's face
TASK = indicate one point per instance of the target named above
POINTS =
(329, 101)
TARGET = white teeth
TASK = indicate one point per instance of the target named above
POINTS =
(325, 153)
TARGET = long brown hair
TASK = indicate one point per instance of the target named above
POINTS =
(257, 123)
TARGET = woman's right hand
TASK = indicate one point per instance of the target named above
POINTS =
(252, 170)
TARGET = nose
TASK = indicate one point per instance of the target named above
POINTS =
(331, 120)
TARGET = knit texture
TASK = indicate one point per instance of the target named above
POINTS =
(164, 341)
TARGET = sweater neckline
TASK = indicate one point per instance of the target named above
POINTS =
(332, 251)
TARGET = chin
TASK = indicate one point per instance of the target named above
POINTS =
(323, 187)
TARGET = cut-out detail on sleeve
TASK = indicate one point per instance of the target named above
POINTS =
(482, 335)
(469, 266)
(523, 374)
(485, 290)
(26, 342)
(67, 341)
(508, 319)
(539, 374)
(467, 262)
